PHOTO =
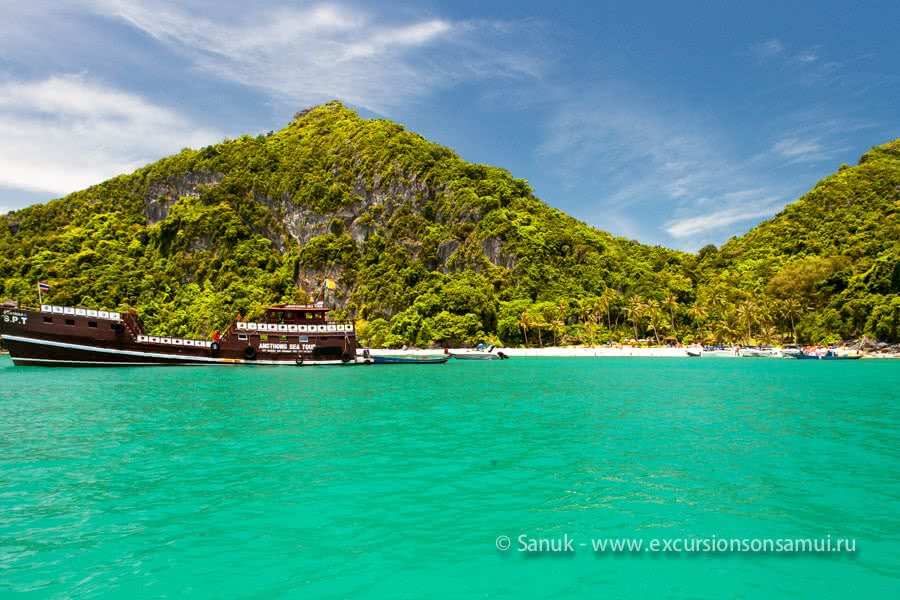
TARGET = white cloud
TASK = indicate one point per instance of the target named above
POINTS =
(618, 136)
(693, 226)
(67, 132)
(770, 48)
(662, 176)
(60, 133)
(815, 136)
(798, 150)
(314, 53)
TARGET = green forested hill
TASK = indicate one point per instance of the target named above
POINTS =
(829, 262)
(429, 249)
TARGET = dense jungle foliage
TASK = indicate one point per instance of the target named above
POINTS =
(428, 249)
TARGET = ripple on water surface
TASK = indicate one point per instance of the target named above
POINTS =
(395, 481)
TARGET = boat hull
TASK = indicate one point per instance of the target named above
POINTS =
(409, 360)
(476, 356)
(752, 353)
(26, 351)
(75, 337)
(815, 357)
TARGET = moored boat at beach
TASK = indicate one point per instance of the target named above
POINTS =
(760, 352)
(67, 336)
(410, 359)
(480, 352)
(823, 354)
(719, 351)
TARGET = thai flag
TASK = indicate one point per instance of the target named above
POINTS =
(43, 287)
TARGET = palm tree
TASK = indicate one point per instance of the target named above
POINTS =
(747, 313)
(791, 309)
(539, 321)
(590, 328)
(558, 327)
(634, 310)
(653, 309)
(723, 330)
(671, 303)
(599, 307)
(609, 295)
(525, 322)
(585, 309)
(765, 313)
(562, 308)
(718, 303)
(698, 314)
(767, 333)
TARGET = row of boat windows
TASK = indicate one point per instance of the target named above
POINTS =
(280, 327)
(283, 338)
(81, 312)
(152, 339)
(72, 322)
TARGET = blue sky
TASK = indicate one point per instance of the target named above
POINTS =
(678, 124)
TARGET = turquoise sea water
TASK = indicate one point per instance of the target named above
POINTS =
(395, 481)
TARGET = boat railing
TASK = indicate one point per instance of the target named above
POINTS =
(332, 327)
(81, 312)
(170, 341)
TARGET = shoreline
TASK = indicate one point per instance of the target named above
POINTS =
(583, 352)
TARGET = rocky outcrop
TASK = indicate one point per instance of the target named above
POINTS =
(374, 209)
(446, 250)
(873, 346)
(493, 249)
(163, 194)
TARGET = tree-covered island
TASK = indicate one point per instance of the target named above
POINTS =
(430, 250)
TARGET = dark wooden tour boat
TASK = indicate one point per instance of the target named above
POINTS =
(66, 336)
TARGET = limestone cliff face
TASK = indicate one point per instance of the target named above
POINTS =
(161, 195)
(329, 173)
(373, 208)
(493, 250)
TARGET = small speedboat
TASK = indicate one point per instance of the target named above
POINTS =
(480, 352)
(762, 352)
(719, 351)
(410, 359)
(826, 354)
(694, 353)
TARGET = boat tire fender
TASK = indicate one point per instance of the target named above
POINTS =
(345, 357)
(250, 353)
(299, 362)
(214, 348)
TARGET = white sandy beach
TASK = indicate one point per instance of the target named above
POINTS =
(607, 351)
(585, 352)
(557, 351)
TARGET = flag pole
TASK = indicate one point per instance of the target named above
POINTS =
(40, 296)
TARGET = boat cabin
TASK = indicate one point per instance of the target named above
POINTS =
(296, 314)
